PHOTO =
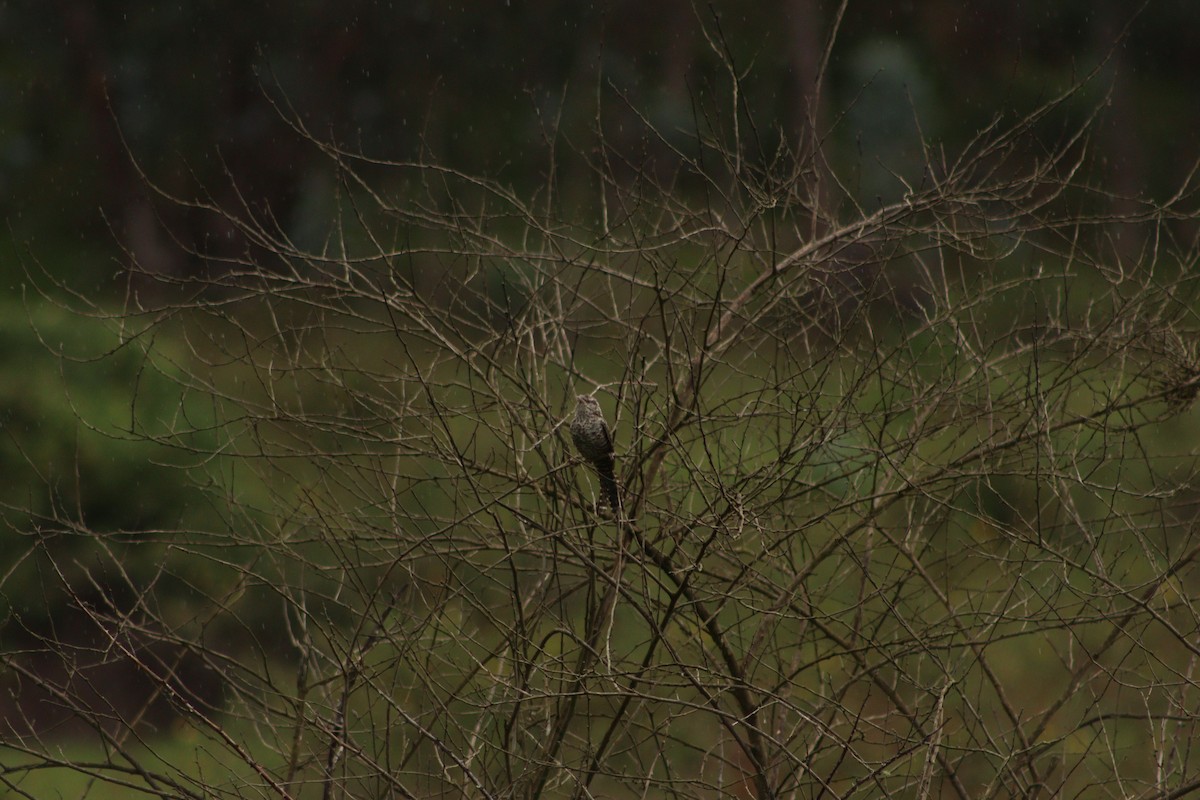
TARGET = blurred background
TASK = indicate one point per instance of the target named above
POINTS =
(188, 88)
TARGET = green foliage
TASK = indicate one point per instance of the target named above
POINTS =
(80, 413)
(78, 409)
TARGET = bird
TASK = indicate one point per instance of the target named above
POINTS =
(593, 440)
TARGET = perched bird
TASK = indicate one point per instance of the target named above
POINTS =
(593, 440)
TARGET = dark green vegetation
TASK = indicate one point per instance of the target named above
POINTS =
(901, 373)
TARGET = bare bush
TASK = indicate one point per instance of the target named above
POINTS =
(907, 489)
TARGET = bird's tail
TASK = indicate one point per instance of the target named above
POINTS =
(608, 485)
